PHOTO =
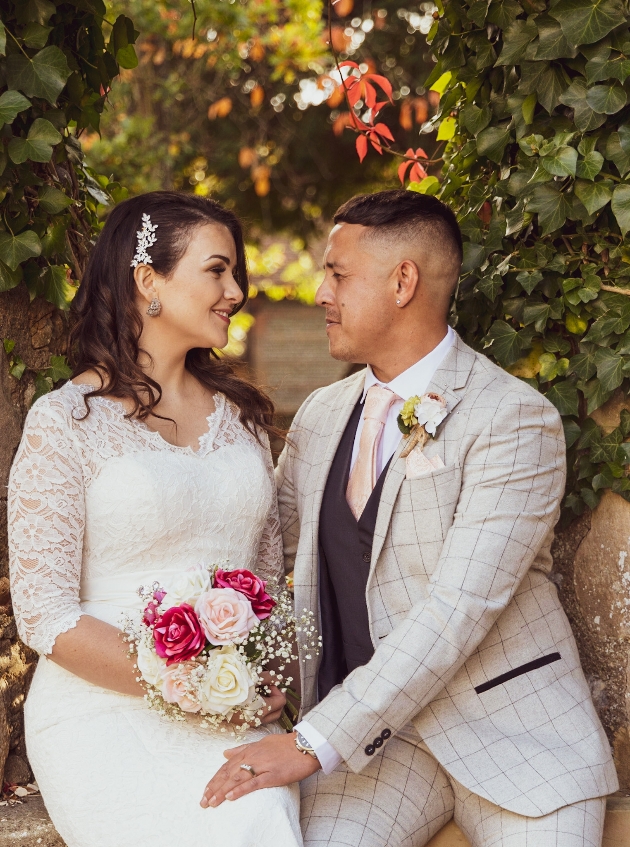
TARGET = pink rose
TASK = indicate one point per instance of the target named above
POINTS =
(226, 616)
(174, 687)
(178, 634)
(251, 586)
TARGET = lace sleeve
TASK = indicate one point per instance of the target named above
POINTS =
(46, 520)
(270, 556)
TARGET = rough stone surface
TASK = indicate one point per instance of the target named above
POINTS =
(16, 770)
(28, 825)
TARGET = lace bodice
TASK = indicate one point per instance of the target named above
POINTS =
(98, 505)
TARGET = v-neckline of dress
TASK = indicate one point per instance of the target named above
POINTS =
(205, 440)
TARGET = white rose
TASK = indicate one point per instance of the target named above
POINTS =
(227, 682)
(430, 412)
(187, 587)
(150, 665)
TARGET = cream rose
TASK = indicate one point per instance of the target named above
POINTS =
(175, 689)
(150, 665)
(187, 587)
(225, 615)
(227, 682)
(430, 412)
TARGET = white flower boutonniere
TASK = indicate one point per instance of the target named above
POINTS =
(419, 419)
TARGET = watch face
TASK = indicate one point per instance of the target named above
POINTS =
(303, 741)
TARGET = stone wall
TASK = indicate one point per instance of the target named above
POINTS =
(38, 330)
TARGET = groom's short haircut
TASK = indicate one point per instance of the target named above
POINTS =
(420, 220)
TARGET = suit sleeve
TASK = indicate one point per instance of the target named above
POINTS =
(513, 478)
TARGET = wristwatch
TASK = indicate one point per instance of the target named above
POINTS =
(303, 746)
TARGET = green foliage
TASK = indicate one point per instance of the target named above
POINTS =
(538, 171)
(57, 62)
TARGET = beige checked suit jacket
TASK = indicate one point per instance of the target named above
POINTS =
(458, 595)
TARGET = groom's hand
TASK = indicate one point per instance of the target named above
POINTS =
(274, 760)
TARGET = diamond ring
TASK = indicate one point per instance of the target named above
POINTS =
(248, 768)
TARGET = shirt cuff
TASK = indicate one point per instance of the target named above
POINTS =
(328, 757)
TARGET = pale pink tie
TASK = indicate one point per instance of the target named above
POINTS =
(363, 475)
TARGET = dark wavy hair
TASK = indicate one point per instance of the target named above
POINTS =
(107, 324)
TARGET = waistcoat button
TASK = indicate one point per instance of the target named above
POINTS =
(366, 557)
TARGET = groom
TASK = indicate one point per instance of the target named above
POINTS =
(449, 682)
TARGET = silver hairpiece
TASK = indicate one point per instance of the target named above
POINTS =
(146, 238)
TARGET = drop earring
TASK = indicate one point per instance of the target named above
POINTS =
(155, 308)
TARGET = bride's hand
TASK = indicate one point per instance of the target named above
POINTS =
(275, 702)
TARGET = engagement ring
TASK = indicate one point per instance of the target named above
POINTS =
(248, 768)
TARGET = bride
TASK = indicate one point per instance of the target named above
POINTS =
(152, 459)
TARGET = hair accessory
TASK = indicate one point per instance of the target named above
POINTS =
(146, 238)
(155, 308)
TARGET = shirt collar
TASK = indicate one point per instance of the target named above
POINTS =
(415, 380)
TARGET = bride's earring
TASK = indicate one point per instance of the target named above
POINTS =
(155, 308)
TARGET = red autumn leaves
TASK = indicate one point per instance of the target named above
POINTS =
(362, 88)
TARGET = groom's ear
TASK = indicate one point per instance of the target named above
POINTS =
(407, 281)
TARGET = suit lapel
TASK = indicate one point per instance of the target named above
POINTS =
(449, 380)
(333, 427)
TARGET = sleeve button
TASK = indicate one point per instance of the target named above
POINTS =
(369, 750)
(378, 741)
(385, 734)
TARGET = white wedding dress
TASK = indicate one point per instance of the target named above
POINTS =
(98, 506)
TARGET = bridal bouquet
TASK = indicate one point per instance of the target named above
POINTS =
(205, 640)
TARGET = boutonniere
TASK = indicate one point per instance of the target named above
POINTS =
(419, 419)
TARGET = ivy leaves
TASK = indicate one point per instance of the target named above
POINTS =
(55, 65)
(539, 173)
(42, 76)
(586, 21)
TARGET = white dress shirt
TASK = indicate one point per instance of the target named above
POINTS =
(414, 381)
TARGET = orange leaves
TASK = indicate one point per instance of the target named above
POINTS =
(412, 163)
(374, 133)
(220, 109)
(418, 108)
(343, 7)
(247, 156)
(362, 87)
(257, 96)
(262, 184)
(257, 50)
(341, 122)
